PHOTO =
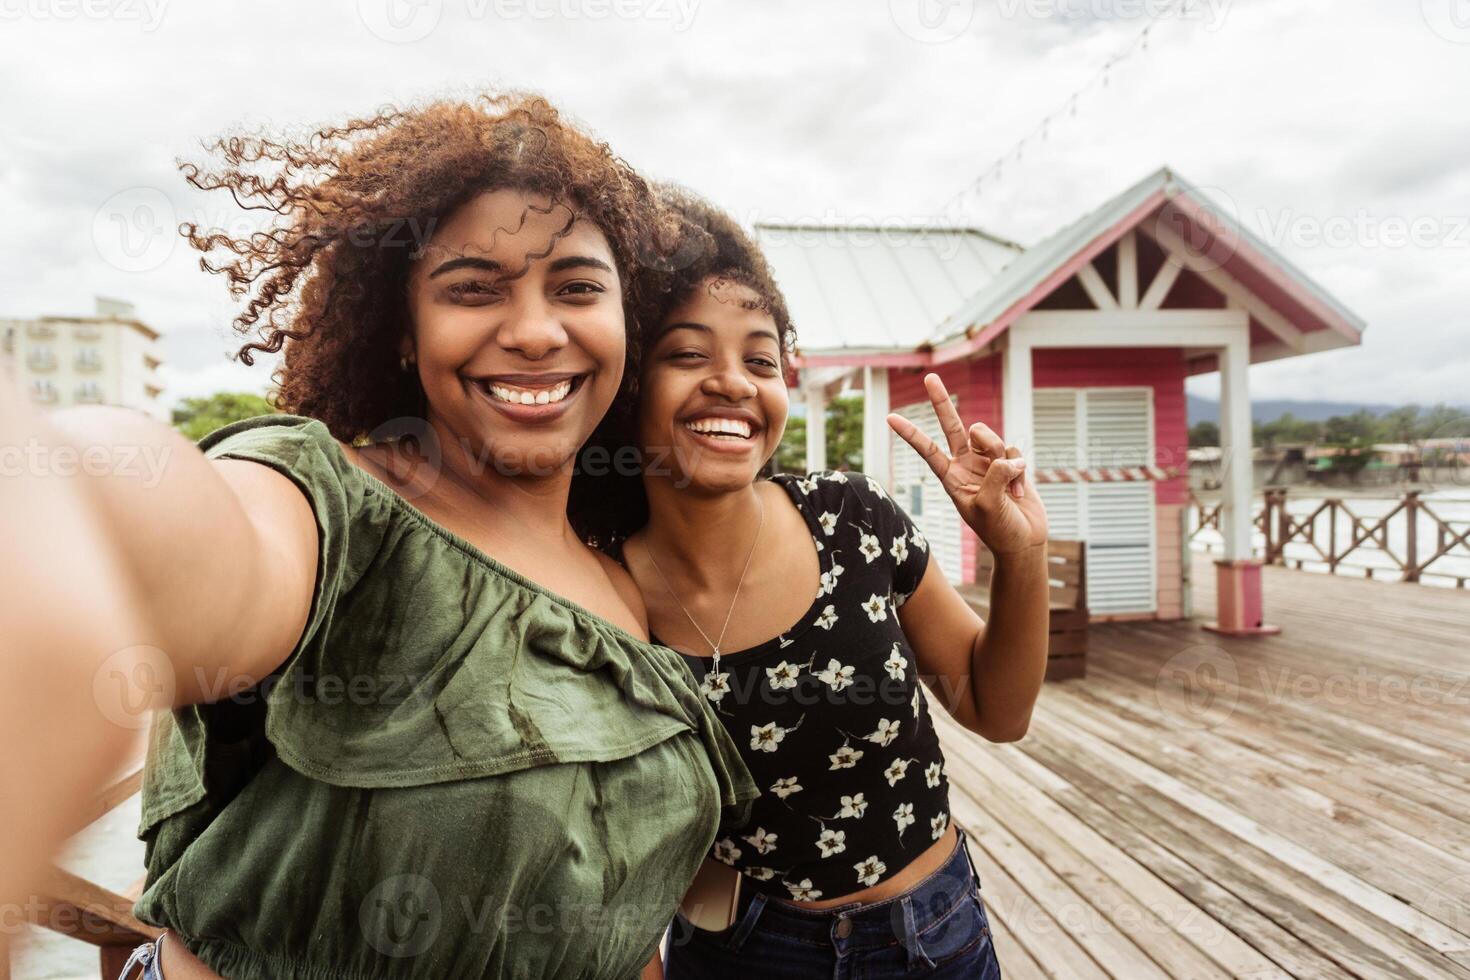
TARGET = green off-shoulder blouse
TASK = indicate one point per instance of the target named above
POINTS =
(456, 773)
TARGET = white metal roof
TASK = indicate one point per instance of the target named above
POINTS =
(855, 289)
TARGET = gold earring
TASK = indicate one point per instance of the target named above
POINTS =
(404, 361)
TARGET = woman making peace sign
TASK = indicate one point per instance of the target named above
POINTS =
(810, 608)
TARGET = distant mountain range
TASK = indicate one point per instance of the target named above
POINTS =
(1269, 410)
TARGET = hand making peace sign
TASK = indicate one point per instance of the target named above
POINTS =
(985, 478)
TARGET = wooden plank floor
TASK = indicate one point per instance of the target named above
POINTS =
(1204, 806)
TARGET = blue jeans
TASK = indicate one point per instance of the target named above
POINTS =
(146, 956)
(936, 929)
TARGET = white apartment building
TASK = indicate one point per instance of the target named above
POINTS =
(111, 358)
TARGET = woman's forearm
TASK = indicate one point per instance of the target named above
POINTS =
(1010, 651)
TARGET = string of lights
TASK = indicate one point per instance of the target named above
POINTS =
(1016, 153)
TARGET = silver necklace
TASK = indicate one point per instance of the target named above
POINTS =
(715, 644)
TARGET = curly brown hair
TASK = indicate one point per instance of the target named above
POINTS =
(327, 281)
(711, 250)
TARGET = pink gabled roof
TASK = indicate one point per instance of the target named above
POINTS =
(1162, 198)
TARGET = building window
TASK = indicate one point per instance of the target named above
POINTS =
(41, 331)
(41, 358)
(44, 391)
(89, 392)
(89, 359)
(86, 331)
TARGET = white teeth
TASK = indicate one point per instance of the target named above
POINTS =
(524, 396)
(720, 426)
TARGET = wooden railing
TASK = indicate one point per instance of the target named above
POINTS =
(1322, 529)
(72, 905)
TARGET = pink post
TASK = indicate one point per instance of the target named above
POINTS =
(1238, 598)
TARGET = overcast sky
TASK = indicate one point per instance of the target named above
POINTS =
(1336, 131)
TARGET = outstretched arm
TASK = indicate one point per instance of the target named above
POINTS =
(121, 591)
(987, 674)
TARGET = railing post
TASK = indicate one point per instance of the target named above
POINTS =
(1411, 553)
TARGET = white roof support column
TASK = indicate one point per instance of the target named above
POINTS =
(816, 427)
(1017, 425)
(1237, 487)
(877, 441)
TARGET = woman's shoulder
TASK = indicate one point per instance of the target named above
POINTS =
(833, 485)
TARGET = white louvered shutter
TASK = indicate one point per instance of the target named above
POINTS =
(1100, 428)
(920, 494)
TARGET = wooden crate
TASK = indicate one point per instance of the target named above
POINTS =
(1067, 645)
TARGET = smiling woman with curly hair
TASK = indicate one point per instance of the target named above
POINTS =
(417, 729)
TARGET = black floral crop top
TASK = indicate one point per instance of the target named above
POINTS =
(829, 717)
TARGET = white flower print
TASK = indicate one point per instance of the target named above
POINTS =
(760, 874)
(828, 520)
(716, 686)
(837, 476)
(829, 581)
(845, 758)
(931, 775)
(832, 842)
(785, 787)
(917, 539)
(885, 733)
(876, 607)
(819, 545)
(807, 484)
(870, 870)
(766, 737)
(896, 663)
(896, 771)
(783, 676)
(870, 547)
(903, 816)
(937, 825)
(899, 549)
(726, 851)
(853, 806)
(916, 702)
(836, 676)
(803, 891)
(828, 619)
(876, 488)
(763, 842)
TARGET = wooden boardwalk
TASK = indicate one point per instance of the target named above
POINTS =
(1203, 806)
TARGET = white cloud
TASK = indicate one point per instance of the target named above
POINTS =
(1305, 108)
